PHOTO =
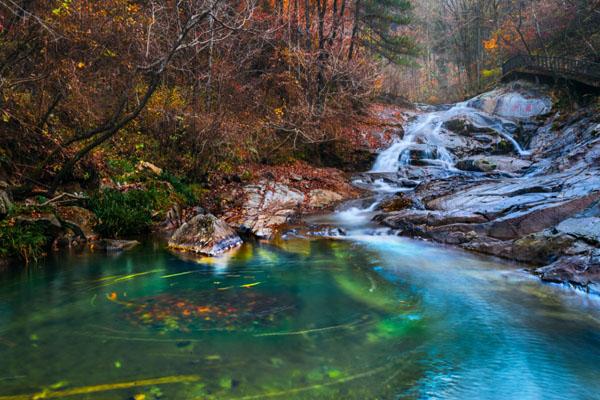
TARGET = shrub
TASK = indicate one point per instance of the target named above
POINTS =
(24, 241)
(124, 213)
(190, 193)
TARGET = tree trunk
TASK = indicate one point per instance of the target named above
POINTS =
(354, 30)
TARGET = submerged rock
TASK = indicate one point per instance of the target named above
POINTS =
(205, 234)
(114, 245)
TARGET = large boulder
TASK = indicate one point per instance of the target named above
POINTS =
(268, 205)
(205, 234)
(519, 102)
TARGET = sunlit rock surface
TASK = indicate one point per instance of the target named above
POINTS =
(205, 234)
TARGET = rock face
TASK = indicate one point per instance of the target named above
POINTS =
(268, 205)
(205, 234)
(540, 206)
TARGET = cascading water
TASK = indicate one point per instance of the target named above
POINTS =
(427, 129)
(425, 144)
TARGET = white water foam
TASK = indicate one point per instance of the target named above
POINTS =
(428, 129)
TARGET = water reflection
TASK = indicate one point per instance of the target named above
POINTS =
(370, 317)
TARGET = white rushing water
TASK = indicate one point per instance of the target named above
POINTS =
(427, 133)
(427, 136)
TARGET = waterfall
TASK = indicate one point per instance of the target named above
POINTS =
(427, 129)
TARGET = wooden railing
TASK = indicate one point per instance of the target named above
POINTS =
(579, 70)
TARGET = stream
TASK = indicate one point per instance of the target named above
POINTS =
(368, 315)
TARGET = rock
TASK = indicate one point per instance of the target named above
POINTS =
(579, 270)
(540, 248)
(476, 165)
(5, 202)
(328, 232)
(429, 218)
(321, 198)
(517, 102)
(463, 126)
(587, 229)
(397, 203)
(421, 155)
(538, 218)
(205, 234)
(268, 205)
(114, 245)
(147, 166)
(173, 219)
(80, 220)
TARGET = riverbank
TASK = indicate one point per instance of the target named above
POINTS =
(508, 173)
(128, 200)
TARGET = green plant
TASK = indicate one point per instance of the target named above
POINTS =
(25, 241)
(124, 213)
(190, 193)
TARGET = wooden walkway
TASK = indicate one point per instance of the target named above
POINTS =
(581, 71)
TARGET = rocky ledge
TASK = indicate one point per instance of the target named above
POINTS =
(541, 206)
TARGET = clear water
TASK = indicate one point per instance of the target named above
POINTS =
(370, 317)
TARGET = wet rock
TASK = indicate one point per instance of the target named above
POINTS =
(114, 245)
(578, 270)
(541, 247)
(453, 227)
(328, 232)
(321, 198)
(463, 126)
(396, 203)
(421, 155)
(490, 163)
(205, 234)
(476, 165)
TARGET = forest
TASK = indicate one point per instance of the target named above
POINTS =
(344, 193)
